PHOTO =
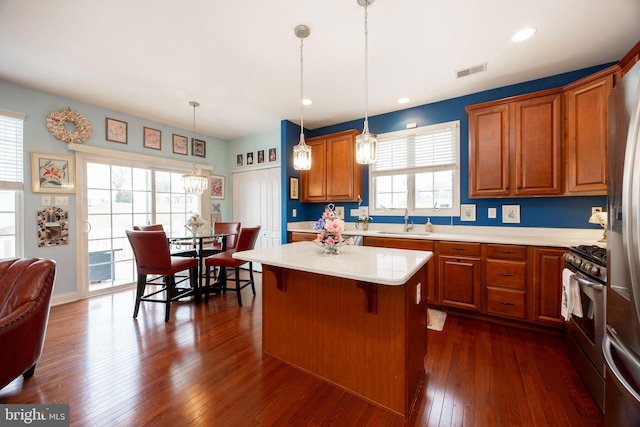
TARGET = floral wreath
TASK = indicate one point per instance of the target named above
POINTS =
(57, 119)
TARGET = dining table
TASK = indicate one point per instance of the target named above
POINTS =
(197, 242)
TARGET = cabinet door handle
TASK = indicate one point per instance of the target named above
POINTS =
(505, 303)
(507, 252)
(458, 249)
(506, 274)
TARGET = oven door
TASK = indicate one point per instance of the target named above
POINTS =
(588, 330)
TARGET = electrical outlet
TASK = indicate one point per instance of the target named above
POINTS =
(491, 213)
(596, 209)
(294, 212)
(340, 211)
(363, 211)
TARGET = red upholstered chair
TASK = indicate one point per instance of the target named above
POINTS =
(151, 251)
(25, 297)
(232, 228)
(174, 252)
(246, 241)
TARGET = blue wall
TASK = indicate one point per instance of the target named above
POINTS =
(560, 212)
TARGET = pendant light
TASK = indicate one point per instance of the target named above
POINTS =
(366, 142)
(301, 152)
(194, 184)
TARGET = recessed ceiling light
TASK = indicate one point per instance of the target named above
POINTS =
(307, 102)
(403, 100)
(523, 34)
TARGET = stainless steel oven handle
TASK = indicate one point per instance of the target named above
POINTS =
(594, 285)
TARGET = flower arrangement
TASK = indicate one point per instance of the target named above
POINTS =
(330, 228)
(196, 222)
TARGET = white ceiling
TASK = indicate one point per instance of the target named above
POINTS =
(241, 59)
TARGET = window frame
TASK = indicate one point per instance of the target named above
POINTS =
(16, 186)
(454, 210)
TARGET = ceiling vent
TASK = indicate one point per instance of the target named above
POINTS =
(472, 70)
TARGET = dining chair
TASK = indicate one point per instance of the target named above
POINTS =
(231, 228)
(246, 241)
(191, 253)
(152, 256)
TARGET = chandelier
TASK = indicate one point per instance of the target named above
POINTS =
(366, 142)
(193, 183)
(301, 152)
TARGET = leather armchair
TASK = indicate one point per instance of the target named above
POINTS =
(25, 298)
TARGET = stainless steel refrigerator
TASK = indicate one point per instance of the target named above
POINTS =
(621, 345)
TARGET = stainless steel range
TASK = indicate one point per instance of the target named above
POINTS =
(588, 267)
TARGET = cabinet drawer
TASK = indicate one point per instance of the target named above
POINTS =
(508, 274)
(506, 252)
(505, 302)
(459, 248)
(302, 237)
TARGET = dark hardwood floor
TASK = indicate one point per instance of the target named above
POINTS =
(205, 367)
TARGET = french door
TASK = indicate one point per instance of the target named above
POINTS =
(117, 195)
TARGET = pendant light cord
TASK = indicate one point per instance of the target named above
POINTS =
(301, 91)
(366, 63)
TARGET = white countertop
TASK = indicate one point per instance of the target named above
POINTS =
(555, 237)
(383, 266)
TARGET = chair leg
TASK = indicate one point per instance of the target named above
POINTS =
(171, 286)
(237, 270)
(195, 284)
(207, 284)
(253, 286)
(142, 281)
(29, 372)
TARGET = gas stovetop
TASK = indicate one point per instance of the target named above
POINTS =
(591, 260)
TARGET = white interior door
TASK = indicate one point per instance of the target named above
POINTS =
(256, 201)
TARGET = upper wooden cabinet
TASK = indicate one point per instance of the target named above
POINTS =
(334, 174)
(515, 146)
(585, 115)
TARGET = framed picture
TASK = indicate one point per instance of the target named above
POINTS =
(216, 183)
(294, 188)
(249, 158)
(53, 173)
(260, 156)
(239, 160)
(272, 155)
(116, 131)
(467, 212)
(152, 138)
(198, 148)
(180, 144)
(511, 214)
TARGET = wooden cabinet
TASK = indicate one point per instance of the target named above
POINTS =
(547, 285)
(629, 60)
(515, 146)
(585, 115)
(417, 244)
(334, 175)
(506, 280)
(458, 278)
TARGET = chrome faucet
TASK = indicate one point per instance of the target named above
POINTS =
(407, 227)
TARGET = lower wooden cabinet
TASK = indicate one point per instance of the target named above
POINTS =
(459, 268)
(515, 282)
(505, 280)
(548, 264)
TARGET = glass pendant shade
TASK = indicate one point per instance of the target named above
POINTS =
(302, 155)
(193, 183)
(366, 146)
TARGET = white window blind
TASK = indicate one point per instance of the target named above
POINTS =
(11, 150)
(429, 148)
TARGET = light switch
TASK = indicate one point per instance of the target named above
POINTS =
(491, 213)
(294, 213)
(46, 201)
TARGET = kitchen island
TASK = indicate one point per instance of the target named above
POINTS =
(357, 319)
